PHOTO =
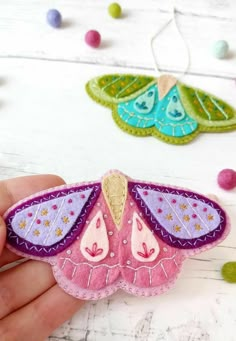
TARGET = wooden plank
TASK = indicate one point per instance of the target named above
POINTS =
(25, 34)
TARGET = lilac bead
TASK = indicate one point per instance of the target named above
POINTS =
(93, 38)
(54, 18)
(227, 179)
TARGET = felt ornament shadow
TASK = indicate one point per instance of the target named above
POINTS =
(116, 233)
(164, 107)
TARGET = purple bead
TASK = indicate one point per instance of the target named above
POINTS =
(54, 18)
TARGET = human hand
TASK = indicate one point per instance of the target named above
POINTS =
(32, 305)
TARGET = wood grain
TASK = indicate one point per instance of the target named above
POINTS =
(49, 125)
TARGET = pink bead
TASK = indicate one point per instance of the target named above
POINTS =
(93, 38)
(227, 179)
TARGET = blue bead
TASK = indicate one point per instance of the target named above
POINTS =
(220, 49)
(54, 18)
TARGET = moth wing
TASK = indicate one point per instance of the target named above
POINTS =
(180, 218)
(115, 88)
(212, 113)
(48, 222)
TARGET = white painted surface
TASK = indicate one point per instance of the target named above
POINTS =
(48, 124)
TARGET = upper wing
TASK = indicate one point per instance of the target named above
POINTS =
(112, 89)
(48, 222)
(211, 112)
(181, 218)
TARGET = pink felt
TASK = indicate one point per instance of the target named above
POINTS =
(73, 272)
(96, 274)
(143, 274)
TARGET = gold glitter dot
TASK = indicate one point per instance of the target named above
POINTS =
(65, 220)
(210, 217)
(198, 227)
(22, 224)
(46, 223)
(177, 228)
(36, 232)
(186, 217)
(44, 212)
(58, 232)
(169, 216)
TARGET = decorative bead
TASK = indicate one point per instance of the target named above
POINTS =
(165, 249)
(227, 179)
(54, 18)
(93, 38)
(125, 241)
(114, 10)
(110, 233)
(228, 272)
(220, 49)
(128, 262)
(69, 252)
(112, 254)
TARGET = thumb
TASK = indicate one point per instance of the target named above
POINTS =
(2, 234)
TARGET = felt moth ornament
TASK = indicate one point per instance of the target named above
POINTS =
(116, 233)
(162, 107)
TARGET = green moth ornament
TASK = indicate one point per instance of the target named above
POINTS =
(164, 108)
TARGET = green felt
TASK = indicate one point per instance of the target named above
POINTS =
(211, 113)
(206, 108)
(229, 272)
(120, 86)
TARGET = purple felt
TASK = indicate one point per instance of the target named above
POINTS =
(62, 198)
(48, 222)
(164, 209)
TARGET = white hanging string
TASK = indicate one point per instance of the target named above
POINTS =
(173, 19)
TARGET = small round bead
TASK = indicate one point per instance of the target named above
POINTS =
(54, 18)
(227, 179)
(114, 10)
(93, 38)
(220, 49)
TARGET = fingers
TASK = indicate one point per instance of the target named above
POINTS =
(13, 190)
(8, 257)
(22, 284)
(37, 320)
(2, 234)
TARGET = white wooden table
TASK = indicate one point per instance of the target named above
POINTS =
(49, 125)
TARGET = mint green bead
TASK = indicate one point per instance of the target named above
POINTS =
(114, 10)
(220, 49)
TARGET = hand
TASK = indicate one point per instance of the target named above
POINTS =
(32, 305)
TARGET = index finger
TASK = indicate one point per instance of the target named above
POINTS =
(13, 190)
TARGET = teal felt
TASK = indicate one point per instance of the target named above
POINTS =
(171, 118)
(168, 114)
(140, 111)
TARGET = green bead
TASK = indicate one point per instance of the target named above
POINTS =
(228, 272)
(114, 10)
(220, 49)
